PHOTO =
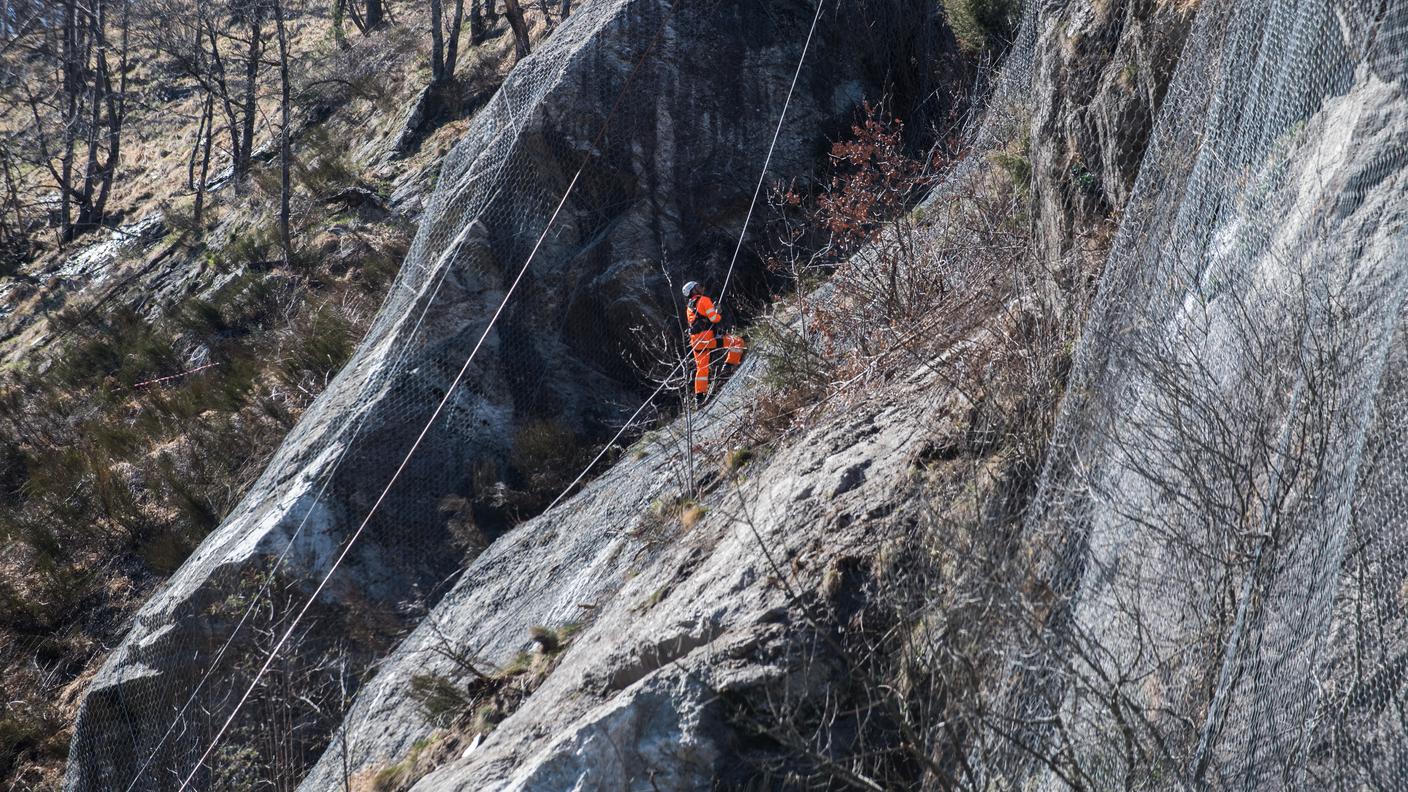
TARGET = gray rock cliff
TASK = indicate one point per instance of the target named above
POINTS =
(676, 619)
(673, 111)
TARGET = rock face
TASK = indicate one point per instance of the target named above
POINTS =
(1224, 497)
(1099, 77)
(672, 112)
(678, 619)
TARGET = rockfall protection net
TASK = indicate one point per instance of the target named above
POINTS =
(1224, 505)
(495, 196)
(193, 674)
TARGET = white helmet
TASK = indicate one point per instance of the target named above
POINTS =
(689, 288)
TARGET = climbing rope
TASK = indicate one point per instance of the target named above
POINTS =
(762, 178)
(376, 506)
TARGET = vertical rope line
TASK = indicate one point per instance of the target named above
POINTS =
(767, 163)
(762, 178)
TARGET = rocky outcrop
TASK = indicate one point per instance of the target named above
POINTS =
(1100, 74)
(677, 621)
(672, 110)
(1229, 470)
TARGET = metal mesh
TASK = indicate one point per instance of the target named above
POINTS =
(1223, 509)
(496, 190)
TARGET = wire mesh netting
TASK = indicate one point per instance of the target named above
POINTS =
(1223, 507)
(1222, 510)
(326, 474)
(604, 99)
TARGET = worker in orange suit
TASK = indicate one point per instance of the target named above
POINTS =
(705, 335)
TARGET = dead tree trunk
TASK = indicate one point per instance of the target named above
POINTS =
(514, 11)
(219, 84)
(444, 42)
(92, 115)
(115, 102)
(285, 147)
(452, 42)
(437, 44)
(376, 14)
(72, 82)
(203, 144)
(477, 31)
(244, 153)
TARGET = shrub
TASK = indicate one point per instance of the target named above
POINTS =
(326, 165)
(122, 346)
(257, 244)
(552, 640)
(1015, 161)
(315, 349)
(403, 774)
(736, 459)
(545, 638)
(545, 458)
(440, 700)
(691, 515)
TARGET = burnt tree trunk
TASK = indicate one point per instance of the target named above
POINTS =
(285, 147)
(437, 44)
(245, 152)
(444, 42)
(452, 41)
(514, 11)
(477, 31)
(376, 14)
(116, 105)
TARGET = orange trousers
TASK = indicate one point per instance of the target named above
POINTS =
(703, 346)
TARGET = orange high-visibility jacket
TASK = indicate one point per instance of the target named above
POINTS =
(702, 316)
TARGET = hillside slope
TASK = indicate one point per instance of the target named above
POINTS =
(1068, 453)
(607, 93)
(152, 366)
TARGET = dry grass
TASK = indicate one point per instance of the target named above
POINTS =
(467, 712)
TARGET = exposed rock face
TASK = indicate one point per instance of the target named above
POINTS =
(695, 94)
(1237, 414)
(677, 619)
(1100, 74)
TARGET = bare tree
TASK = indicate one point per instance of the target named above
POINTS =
(77, 103)
(367, 16)
(375, 14)
(201, 150)
(477, 31)
(14, 239)
(252, 12)
(444, 42)
(195, 39)
(514, 11)
(285, 148)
